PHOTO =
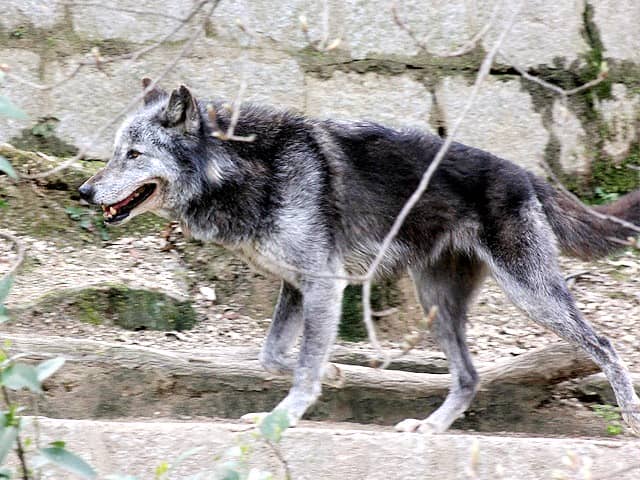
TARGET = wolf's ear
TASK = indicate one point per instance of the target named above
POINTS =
(182, 110)
(152, 95)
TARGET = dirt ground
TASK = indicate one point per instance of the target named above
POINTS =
(606, 291)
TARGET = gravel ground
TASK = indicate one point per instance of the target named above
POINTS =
(607, 292)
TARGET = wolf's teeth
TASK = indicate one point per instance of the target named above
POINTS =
(106, 215)
(104, 207)
(112, 211)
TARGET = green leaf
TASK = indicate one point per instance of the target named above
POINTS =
(8, 437)
(47, 368)
(58, 444)
(5, 287)
(8, 109)
(20, 375)
(6, 167)
(68, 461)
(274, 424)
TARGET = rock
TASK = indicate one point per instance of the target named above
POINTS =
(502, 120)
(208, 293)
(113, 304)
(352, 96)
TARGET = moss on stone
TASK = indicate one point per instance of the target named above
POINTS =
(129, 308)
(611, 179)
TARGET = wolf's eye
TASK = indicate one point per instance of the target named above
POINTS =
(133, 154)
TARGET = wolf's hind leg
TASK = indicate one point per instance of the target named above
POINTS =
(284, 331)
(534, 284)
(450, 285)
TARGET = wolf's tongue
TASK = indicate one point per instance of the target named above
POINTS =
(122, 203)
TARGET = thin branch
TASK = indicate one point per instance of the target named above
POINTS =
(283, 461)
(19, 447)
(187, 46)
(233, 122)
(426, 178)
(555, 88)
(20, 250)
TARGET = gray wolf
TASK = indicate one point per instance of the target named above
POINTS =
(319, 196)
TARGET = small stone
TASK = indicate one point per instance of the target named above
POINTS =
(208, 293)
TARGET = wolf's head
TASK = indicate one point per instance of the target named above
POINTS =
(150, 154)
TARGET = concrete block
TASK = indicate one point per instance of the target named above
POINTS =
(136, 21)
(30, 12)
(392, 100)
(617, 22)
(25, 64)
(90, 99)
(545, 30)
(502, 120)
(278, 23)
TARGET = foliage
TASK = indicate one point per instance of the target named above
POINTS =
(611, 415)
(14, 376)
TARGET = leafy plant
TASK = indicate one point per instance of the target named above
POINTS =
(611, 415)
(14, 376)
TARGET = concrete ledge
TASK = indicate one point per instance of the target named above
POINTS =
(331, 451)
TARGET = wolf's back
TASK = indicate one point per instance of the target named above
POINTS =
(581, 233)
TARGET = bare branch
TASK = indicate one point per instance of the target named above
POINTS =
(602, 75)
(233, 122)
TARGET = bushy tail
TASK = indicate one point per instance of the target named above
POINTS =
(582, 234)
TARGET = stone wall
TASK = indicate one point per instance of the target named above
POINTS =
(377, 72)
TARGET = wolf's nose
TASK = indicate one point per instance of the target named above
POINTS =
(86, 192)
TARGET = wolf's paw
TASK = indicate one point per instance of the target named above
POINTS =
(254, 417)
(418, 426)
(257, 418)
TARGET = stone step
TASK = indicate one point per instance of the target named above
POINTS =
(330, 451)
(111, 380)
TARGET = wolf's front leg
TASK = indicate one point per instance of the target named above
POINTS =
(284, 331)
(321, 306)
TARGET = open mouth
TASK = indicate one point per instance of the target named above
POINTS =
(121, 210)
